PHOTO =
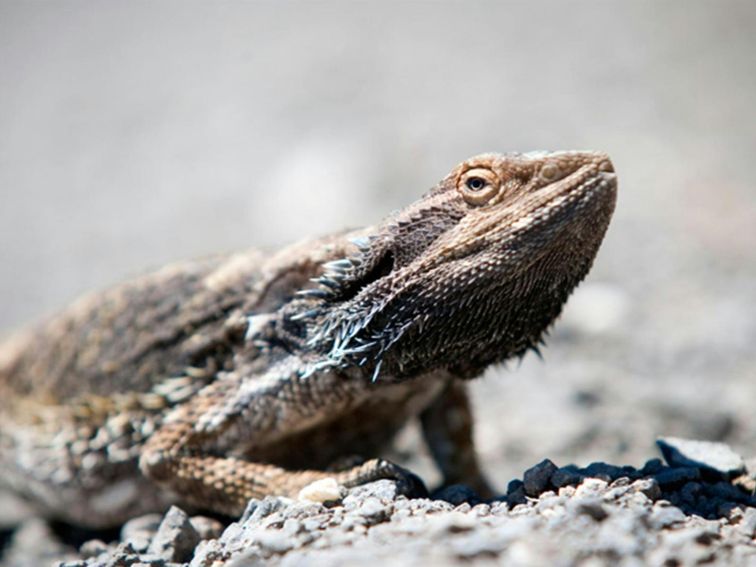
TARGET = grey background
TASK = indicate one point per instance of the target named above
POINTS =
(136, 133)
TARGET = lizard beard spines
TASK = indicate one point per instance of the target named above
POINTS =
(446, 284)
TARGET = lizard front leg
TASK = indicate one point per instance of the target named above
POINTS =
(447, 426)
(195, 453)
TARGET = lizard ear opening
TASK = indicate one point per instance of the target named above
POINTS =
(379, 269)
(364, 272)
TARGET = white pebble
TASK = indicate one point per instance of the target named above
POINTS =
(324, 490)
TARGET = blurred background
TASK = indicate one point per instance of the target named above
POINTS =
(136, 133)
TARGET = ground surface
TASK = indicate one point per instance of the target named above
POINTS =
(699, 510)
(135, 134)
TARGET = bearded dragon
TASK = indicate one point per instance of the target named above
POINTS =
(211, 382)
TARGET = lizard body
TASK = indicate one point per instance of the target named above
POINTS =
(211, 382)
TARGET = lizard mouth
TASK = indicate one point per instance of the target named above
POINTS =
(564, 202)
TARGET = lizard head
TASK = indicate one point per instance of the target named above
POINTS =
(471, 274)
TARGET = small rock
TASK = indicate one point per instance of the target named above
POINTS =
(209, 553)
(665, 516)
(481, 510)
(386, 490)
(671, 478)
(176, 538)
(207, 528)
(93, 548)
(536, 479)
(323, 490)
(139, 531)
(746, 482)
(457, 494)
(649, 487)
(374, 511)
(291, 527)
(750, 465)
(453, 522)
(258, 509)
(591, 487)
(275, 541)
(124, 555)
(747, 525)
(715, 460)
(464, 507)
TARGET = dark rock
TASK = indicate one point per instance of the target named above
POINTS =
(536, 479)
(690, 492)
(716, 460)
(671, 478)
(516, 493)
(566, 476)
(603, 471)
(176, 538)
(652, 467)
(727, 491)
(630, 472)
(457, 494)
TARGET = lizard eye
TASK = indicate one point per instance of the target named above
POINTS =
(475, 183)
(478, 185)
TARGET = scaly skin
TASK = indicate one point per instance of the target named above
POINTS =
(216, 381)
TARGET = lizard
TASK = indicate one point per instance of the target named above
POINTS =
(214, 381)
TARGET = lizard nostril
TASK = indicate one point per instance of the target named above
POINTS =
(607, 166)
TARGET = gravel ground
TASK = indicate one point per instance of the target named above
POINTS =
(133, 134)
(699, 508)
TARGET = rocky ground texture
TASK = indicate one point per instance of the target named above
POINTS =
(698, 508)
